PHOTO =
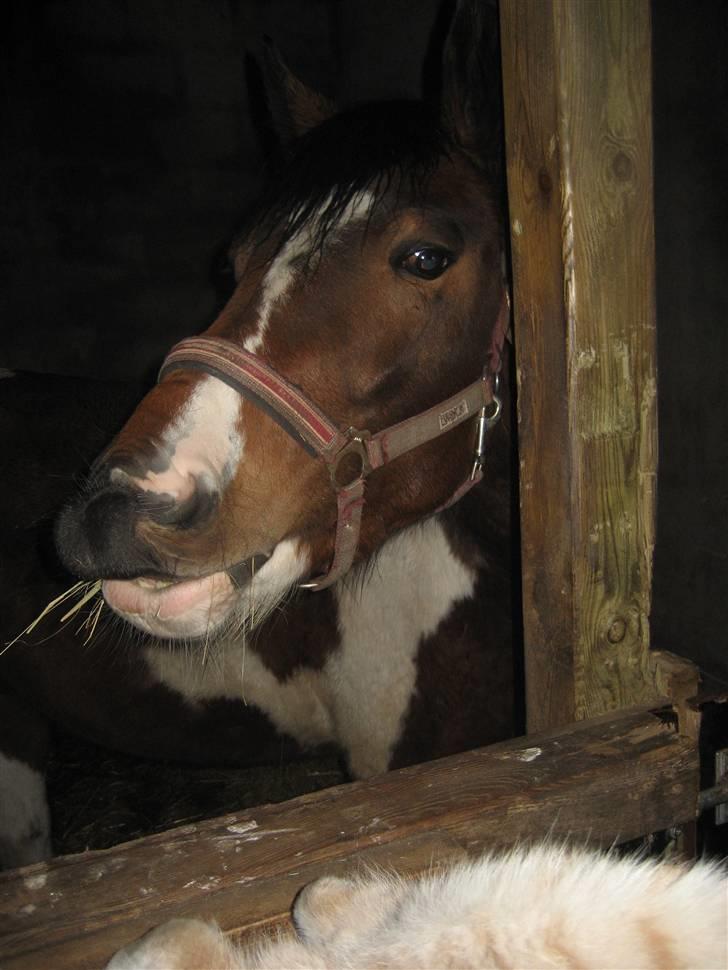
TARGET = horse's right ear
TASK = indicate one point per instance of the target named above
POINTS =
(295, 108)
(471, 105)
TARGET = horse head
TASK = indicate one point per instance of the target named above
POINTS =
(369, 291)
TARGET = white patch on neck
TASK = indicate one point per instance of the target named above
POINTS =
(204, 441)
(282, 273)
(413, 585)
(25, 826)
(298, 706)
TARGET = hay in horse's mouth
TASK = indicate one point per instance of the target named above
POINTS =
(147, 598)
(83, 593)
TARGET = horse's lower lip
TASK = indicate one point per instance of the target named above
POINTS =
(164, 599)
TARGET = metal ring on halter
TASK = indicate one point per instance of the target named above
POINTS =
(355, 447)
(498, 404)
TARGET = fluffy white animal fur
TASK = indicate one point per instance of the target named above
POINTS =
(544, 907)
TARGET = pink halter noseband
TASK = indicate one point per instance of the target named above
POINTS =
(350, 455)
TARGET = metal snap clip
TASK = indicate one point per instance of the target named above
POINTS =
(485, 423)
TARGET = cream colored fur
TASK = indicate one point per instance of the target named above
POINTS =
(546, 907)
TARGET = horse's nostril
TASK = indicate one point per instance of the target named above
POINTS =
(112, 510)
(100, 536)
(167, 510)
(166, 497)
(97, 537)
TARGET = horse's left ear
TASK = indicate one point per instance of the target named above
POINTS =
(295, 108)
(471, 103)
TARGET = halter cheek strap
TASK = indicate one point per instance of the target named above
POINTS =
(350, 455)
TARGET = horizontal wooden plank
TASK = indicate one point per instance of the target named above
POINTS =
(613, 778)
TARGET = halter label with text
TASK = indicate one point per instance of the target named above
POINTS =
(453, 414)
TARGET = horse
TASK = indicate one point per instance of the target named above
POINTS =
(301, 534)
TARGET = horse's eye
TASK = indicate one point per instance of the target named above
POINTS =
(428, 263)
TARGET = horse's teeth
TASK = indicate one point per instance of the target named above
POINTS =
(148, 583)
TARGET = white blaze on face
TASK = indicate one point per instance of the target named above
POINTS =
(204, 442)
(278, 280)
(276, 284)
(205, 445)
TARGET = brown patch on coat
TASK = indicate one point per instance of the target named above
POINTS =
(657, 944)
(305, 634)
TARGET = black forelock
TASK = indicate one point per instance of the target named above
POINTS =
(389, 148)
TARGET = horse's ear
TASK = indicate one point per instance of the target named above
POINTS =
(471, 103)
(294, 107)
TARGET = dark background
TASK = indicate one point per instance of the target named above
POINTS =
(690, 597)
(128, 154)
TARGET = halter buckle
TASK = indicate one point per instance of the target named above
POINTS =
(351, 462)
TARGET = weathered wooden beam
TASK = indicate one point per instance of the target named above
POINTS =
(613, 778)
(577, 88)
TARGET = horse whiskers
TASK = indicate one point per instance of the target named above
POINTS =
(91, 621)
(84, 590)
(251, 622)
(251, 593)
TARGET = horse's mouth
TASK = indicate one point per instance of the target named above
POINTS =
(160, 604)
(166, 599)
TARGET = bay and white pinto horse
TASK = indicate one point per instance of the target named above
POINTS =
(307, 520)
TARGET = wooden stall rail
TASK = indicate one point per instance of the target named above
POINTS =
(607, 780)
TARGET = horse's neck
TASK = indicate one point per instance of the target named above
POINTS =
(412, 560)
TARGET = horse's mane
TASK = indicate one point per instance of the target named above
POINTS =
(384, 149)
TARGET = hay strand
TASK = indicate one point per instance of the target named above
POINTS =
(86, 591)
(89, 595)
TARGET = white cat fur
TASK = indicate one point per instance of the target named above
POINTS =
(545, 907)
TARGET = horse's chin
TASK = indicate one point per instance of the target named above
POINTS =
(186, 608)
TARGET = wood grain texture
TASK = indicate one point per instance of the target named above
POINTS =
(579, 153)
(613, 778)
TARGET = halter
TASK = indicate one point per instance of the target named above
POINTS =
(351, 455)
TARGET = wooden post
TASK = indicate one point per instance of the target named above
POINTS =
(577, 88)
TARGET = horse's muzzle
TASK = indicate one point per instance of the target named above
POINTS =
(98, 537)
